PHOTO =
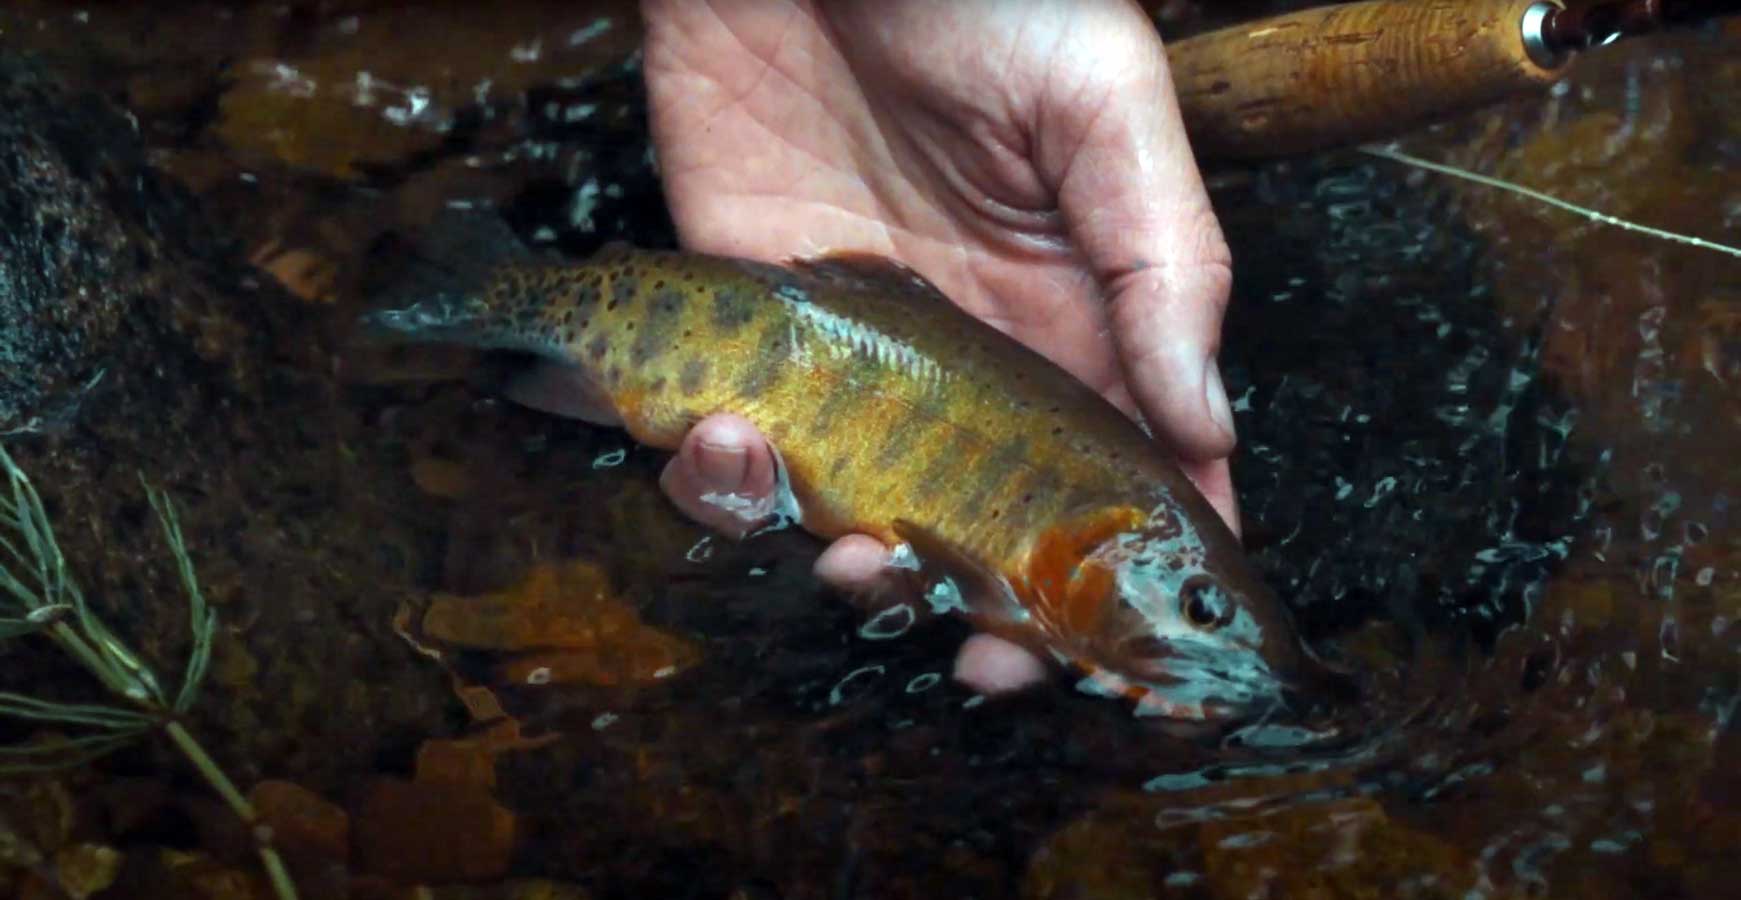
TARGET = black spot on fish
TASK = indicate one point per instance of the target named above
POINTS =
(840, 463)
(595, 349)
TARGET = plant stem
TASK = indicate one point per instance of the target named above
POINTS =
(93, 661)
(208, 768)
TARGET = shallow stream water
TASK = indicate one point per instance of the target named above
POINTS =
(1488, 453)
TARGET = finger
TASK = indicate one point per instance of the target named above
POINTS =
(992, 665)
(724, 475)
(1215, 481)
(1166, 340)
(1135, 204)
(857, 564)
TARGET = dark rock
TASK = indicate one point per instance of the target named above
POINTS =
(134, 342)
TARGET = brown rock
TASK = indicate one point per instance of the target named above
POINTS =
(440, 832)
(302, 822)
(460, 762)
(442, 478)
(575, 629)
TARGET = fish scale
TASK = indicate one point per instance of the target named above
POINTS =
(899, 416)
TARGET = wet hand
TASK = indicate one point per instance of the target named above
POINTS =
(1026, 156)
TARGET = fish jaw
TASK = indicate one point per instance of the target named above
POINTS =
(1147, 701)
(1183, 692)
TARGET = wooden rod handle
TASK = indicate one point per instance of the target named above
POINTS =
(1348, 73)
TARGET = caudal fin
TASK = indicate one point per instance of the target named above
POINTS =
(436, 292)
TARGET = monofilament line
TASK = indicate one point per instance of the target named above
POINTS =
(1586, 212)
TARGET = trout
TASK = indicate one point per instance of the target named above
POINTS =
(1031, 504)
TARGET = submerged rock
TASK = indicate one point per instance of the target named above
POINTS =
(433, 831)
(135, 341)
(564, 625)
(75, 254)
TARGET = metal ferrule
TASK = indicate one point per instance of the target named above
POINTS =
(1536, 43)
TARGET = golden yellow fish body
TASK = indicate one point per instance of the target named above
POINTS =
(900, 416)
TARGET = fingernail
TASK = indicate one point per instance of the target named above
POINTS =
(1215, 397)
(722, 466)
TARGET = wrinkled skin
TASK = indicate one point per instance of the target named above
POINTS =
(1026, 156)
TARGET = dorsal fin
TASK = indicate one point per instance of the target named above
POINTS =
(612, 250)
(868, 271)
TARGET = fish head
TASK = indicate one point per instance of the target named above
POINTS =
(1164, 609)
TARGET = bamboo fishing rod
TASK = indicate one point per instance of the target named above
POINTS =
(1345, 74)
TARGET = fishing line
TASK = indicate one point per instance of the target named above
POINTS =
(1531, 193)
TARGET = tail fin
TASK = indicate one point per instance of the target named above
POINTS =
(437, 292)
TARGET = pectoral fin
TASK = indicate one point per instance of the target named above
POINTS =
(942, 563)
(1061, 575)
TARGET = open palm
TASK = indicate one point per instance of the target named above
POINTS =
(1025, 155)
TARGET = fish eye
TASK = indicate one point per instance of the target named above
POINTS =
(1204, 604)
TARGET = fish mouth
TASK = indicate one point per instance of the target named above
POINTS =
(1178, 688)
(1233, 682)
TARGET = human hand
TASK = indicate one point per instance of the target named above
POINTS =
(1025, 155)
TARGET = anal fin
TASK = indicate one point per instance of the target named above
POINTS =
(563, 390)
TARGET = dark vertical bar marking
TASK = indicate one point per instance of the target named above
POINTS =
(769, 361)
(993, 471)
(661, 318)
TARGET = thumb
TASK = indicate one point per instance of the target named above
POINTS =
(1135, 205)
